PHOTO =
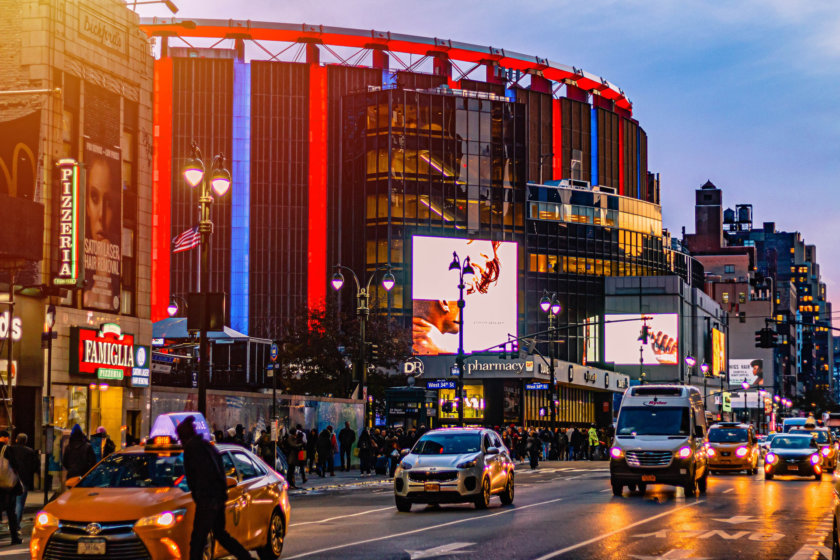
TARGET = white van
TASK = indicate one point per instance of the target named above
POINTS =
(660, 439)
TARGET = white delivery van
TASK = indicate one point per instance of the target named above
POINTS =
(660, 439)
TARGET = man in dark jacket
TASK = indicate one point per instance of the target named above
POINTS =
(205, 476)
(365, 448)
(79, 456)
(7, 495)
(28, 464)
(346, 437)
(325, 452)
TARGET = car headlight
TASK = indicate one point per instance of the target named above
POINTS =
(770, 458)
(44, 519)
(163, 520)
(405, 465)
(826, 451)
(741, 451)
(616, 453)
(467, 464)
(815, 458)
(684, 452)
(711, 451)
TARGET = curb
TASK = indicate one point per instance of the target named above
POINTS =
(360, 484)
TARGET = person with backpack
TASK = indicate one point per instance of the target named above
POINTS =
(10, 486)
(102, 444)
(28, 463)
(79, 456)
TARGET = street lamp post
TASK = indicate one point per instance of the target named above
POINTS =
(704, 369)
(551, 305)
(363, 311)
(48, 427)
(220, 182)
(746, 386)
(463, 269)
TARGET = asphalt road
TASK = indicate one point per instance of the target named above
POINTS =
(568, 512)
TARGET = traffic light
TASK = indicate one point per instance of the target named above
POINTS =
(643, 335)
(766, 338)
(373, 352)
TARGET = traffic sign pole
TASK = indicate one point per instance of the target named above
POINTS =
(275, 352)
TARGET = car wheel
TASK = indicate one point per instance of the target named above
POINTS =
(691, 488)
(703, 482)
(483, 499)
(768, 476)
(507, 495)
(276, 536)
(617, 489)
(403, 505)
(209, 547)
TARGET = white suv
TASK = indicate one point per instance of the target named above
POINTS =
(454, 465)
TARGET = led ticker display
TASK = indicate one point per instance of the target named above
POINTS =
(68, 271)
(490, 294)
(623, 344)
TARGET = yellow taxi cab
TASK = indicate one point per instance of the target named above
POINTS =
(135, 504)
(732, 446)
(826, 442)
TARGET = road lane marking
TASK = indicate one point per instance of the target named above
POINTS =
(615, 532)
(24, 549)
(422, 529)
(340, 517)
(674, 554)
(728, 490)
(443, 550)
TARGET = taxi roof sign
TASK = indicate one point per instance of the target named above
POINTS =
(167, 424)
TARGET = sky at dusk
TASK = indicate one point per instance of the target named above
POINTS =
(744, 93)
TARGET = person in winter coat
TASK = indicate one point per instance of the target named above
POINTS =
(205, 477)
(346, 437)
(8, 495)
(79, 456)
(102, 444)
(533, 446)
(365, 448)
(325, 452)
(28, 463)
(312, 450)
(562, 444)
(265, 447)
(576, 440)
(594, 442)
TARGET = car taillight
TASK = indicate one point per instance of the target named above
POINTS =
(741, 451)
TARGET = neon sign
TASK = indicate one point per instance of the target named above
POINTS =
(107, 352)
(69, 223)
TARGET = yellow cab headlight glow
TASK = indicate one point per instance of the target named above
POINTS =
(826, 451)
(684, 452)
(741, 451)
(163, 520)
(44, 519)
(711, 451)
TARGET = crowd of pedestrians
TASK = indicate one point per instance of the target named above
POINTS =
(577, 443)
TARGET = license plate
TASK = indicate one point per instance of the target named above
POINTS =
(648, 478)
(431, 487)
(91, 546)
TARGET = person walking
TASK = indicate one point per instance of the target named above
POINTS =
(346, 437)
(10, 486)
(205, 477)
(576, 440)
(101, 444)
(28, 463)
(325, 452)
(562, 444)
(533, 446)
(594, 442)
(79, 456)
(365, 447)
(312, 451)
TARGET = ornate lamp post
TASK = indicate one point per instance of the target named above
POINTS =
(464, 270)
(550, 304)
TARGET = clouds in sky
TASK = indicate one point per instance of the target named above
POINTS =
(742, 92)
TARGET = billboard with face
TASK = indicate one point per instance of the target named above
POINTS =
(751, 371)
(622, 339)
(490, 294)
(103, 227)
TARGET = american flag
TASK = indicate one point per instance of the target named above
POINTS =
(186, 241)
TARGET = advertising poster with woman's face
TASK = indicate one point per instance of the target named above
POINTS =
(103, 227)
(490, 294)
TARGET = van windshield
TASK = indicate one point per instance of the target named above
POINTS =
(648, 421)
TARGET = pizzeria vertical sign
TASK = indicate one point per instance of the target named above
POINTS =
(69, 270)
(107, 352)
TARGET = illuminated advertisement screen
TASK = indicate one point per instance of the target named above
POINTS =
(622, 339)
(489, 294)
(718, 352)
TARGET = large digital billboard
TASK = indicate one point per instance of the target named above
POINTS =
(622, 339)
(490, 294)
(718, 352)
(751, 371)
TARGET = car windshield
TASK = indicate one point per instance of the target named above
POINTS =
(790, 442)
(649, 421)
(137, 470)
(728, 435)
(820, 435)
(448, 444)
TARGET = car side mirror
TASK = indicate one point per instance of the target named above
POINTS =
(404, 452)
(231, 482)
(492, 451)
(73, 481)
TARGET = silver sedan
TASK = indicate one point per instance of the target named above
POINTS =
(453, 465)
